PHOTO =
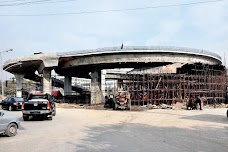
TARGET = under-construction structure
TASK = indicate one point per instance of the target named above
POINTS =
(190, 80)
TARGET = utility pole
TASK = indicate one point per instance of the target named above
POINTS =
(2, 69)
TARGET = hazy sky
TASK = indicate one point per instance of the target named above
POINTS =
(203, 26)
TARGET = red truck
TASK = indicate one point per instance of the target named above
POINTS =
(122, 101)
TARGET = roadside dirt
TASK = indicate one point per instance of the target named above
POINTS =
(177, 106)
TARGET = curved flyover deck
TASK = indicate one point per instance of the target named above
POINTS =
(130, 57)
(79, 63)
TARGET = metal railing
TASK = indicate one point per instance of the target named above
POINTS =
(151, 48)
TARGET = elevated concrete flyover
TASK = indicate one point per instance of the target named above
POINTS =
(131, 57)
(89, 63)
(25, 67)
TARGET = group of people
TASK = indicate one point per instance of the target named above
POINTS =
(193, 102)
(198, 100)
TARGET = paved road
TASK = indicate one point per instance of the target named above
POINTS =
(106, 130)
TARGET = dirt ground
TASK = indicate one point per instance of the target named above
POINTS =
(177, 106)
(80, 129)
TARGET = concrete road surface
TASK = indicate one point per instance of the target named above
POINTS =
(84, 130)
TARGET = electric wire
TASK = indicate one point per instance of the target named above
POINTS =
(18, 1)
(114, 10)
(35, 2)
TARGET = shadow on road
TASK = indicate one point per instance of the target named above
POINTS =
(208, 118)
(1, 136)
(34, 119)
(141, 137)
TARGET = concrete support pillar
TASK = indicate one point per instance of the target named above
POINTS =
(19, 80)
(47, 81)
(96, 94)
(67, 85)
(103, 73)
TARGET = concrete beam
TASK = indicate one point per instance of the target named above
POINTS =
(41, 68)
(19, 80)
(46, 81)
(114, 76)
(67, 85)
(48, 63)
(139, 58)
(33, 63)
(96, 93)
(103, 74)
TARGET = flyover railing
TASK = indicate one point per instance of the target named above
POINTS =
(151, 48)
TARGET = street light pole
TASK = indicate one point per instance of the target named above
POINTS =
(2, 70)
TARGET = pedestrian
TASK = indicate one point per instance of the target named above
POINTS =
(198, 101)
(188, 103)
(191, 104)
(214, 101)
(203, 101)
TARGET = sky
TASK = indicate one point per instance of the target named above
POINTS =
(202, 26)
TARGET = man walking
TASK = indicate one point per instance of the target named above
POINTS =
(214, 101)
(198, 101)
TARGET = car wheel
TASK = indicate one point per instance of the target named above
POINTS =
(49, 118)
(10, 108)
(11, 130)
(25, 118)
(115, 106)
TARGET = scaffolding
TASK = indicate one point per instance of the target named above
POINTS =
(190, 80)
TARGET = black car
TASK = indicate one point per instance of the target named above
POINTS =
(39, 105)
(12, 103)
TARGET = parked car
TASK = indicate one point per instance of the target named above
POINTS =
(8, 124)
(2, 101)
(39, 105)
(12, 103)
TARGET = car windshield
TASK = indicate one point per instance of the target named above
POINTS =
(18, 99)
(5, 99)
(39, 97)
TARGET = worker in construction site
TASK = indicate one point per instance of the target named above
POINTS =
(203, 100)
(198, 101)
(214, 101)
(190, 103)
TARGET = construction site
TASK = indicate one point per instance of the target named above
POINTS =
(189, 81)
(158, 75)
